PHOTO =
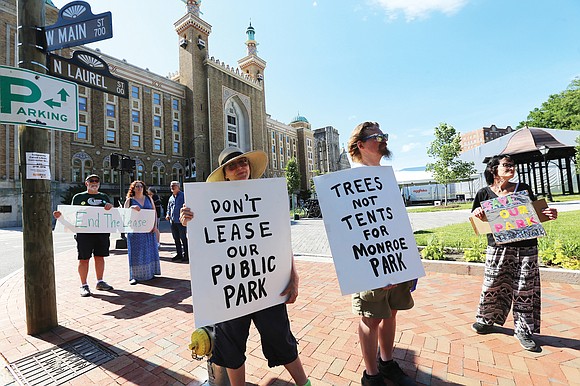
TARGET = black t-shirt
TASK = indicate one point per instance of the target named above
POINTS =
(487, 194)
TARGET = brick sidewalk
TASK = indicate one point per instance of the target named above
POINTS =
(149, 326)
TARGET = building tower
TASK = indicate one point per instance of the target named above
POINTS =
(252, 64)
(193, 42)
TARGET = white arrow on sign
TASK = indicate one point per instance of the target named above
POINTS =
(34, 99)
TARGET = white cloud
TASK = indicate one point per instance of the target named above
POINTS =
(410, 146)
(419, 9)
(314, 4)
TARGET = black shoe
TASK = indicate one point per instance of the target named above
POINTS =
(371, 380)
(185, 260)
(392, 371)
(176, 258)
(133, 281)
(481, 328)
(527, 342)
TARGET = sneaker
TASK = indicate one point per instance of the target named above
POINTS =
(392, 371)
(371, 380)
(527, 342)
(85, 291)
(481, 328)
(176, 258)
(103, 286)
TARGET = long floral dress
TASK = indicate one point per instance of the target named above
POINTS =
(143, 253)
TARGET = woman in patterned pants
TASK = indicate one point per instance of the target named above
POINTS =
(512, 273)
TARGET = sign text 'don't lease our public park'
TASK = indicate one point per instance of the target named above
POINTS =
(34, 99)
(77, 25)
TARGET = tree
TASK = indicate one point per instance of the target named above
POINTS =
(560, 111)
(445, 149)
(292, 178)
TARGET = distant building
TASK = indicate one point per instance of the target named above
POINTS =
(306, 146)
(173, 127)
(328, 153)
(478, 137)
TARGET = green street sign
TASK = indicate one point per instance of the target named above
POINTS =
(33, 99)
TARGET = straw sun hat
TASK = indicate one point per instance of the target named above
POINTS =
(257, 158)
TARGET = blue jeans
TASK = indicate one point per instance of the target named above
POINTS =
(179, 233)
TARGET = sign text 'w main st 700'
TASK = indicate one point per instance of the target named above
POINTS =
(77, 25)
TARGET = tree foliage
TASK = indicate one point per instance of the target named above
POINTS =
(445, 150)
(561, 111)
(292, 176)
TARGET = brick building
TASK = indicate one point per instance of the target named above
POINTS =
(172, 127)
(478, 137)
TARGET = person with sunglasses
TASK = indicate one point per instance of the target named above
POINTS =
(512, 272)
(278, 343)
(91, 244)
(378, 308)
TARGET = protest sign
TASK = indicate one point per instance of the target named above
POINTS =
(239, 247)
(95, 219)
(512, 218)
(368, 228)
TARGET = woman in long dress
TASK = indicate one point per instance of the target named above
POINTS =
(143, 253)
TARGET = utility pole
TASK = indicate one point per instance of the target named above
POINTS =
(39, 283)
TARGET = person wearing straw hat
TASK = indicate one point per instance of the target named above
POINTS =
(278, 343)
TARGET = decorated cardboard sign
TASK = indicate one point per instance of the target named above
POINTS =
(512, 218)
(240, 254)
(368, 228)
(95, 219)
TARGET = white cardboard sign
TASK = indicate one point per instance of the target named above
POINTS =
(368, 228)
(95, 219)
(239, 247)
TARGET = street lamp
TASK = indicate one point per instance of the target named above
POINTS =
(544, 150)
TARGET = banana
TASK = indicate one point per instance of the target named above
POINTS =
(201, 343)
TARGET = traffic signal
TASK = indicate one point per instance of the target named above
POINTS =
(114, 161)
(128, 164)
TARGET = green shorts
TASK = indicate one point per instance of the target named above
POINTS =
(379, 303)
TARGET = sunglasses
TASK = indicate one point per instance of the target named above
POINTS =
(93, 181)
(139, 186)
(377, 137)
(234, 165)
(508, 166)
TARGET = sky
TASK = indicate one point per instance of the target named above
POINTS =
(407, 64)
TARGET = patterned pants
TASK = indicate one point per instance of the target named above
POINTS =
(511, 274)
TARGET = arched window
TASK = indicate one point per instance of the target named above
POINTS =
(110, 175)
(177, 173)
(82, 166)
(140, 169)
(237, 124)
(158, 173)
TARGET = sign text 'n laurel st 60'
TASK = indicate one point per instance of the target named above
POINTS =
(89, 70)
(77, 25)
(34, 99)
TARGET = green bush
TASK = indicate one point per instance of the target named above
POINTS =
(476, 252)
(434, 250)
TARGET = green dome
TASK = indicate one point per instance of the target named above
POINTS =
(299, 118)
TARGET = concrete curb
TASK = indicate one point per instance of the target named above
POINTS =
(555, 275)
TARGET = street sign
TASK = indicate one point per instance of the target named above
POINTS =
(76, 25)
(34, 99)
(89, 70)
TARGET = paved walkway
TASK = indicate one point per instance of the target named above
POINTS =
(149, 326)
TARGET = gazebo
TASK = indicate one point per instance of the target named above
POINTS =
(533, 149)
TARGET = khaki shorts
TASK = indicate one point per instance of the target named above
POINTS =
(379, 303)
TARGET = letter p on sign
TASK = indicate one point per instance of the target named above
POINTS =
(17, 90)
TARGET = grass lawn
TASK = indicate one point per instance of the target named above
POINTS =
(563, 235)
